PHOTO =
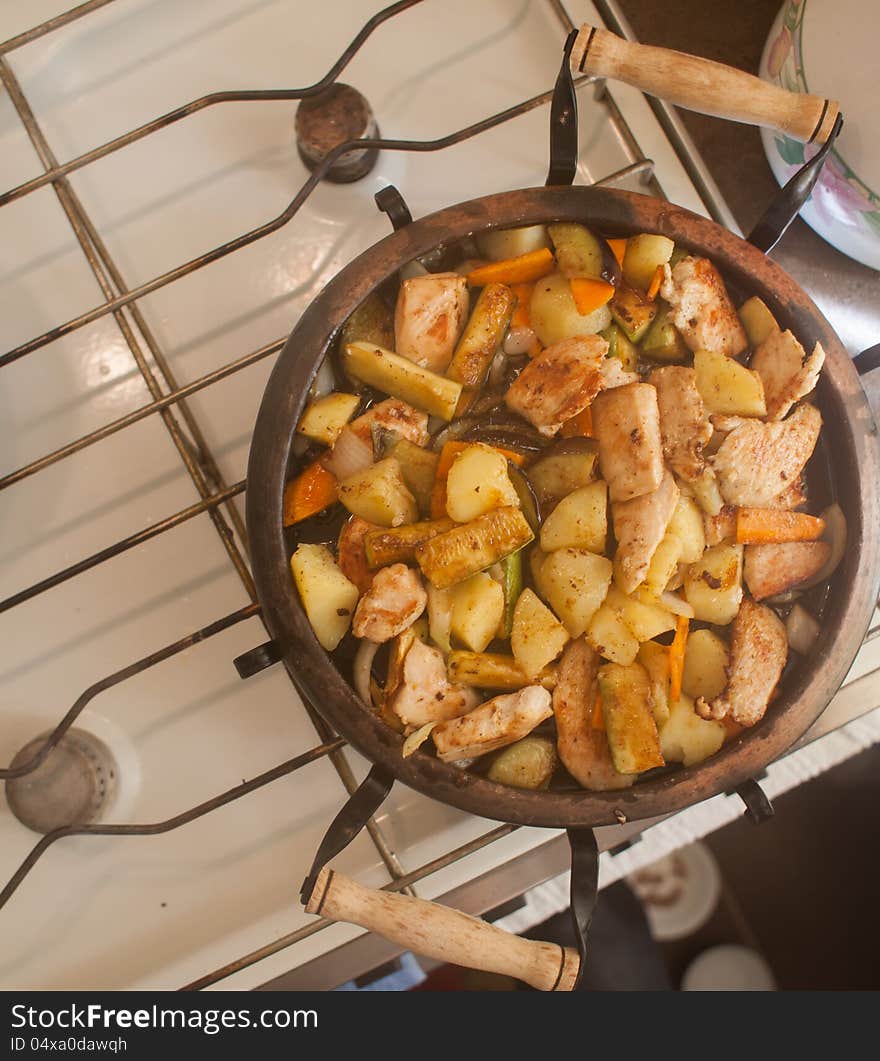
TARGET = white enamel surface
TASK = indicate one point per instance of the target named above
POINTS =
(839, 59)
(160, 911)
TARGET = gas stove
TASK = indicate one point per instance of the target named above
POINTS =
(157, 248)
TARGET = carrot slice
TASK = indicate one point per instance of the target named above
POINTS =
(447, 455)
(309, 493)
(520, 270)
(580, 426)
(676, 658)
(522, 317)
(756, 526)
(654, 286)
(618, 249)
(598, 719)
(589, 293)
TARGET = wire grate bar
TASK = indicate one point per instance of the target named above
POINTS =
(156, 828)
(207, 504)
(159, 656)
(149, 286)
(139, 414)
(64, 19)
(197, 460)
(434, 866)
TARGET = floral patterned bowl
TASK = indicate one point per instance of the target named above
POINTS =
(827, 47)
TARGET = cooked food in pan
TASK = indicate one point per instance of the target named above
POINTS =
(552, 505)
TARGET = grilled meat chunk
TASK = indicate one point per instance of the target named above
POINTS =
(758, 652)
(425, 694)
(626, 422)
(392, 603)
(582, 748)
(494, 724)
(393, 415)
(684, 424)
(429, 317)
(639, 526)
(786, 371)
(774, 568)
(758, 461)
(701, 308)
(559, 383)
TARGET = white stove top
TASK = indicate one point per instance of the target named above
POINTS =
(114, 912)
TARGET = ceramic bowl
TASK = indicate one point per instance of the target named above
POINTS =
(827, 48)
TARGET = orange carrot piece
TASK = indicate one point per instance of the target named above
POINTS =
(447, 455)
(590, 294)
(654, 286)
(522, 317)
(676, 658)
(598, 719)
(755, 526)
(310, 492)
(523, 269)
(580, 426)
(618, 249)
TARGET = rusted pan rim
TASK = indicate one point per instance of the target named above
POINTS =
(805, 693)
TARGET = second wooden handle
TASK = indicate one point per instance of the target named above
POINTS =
(443, 933)
(703, 85)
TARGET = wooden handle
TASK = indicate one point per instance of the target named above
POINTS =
(703, 85)
(443, 933)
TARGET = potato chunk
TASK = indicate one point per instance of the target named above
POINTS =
(686, 738)
(527, 764)
(379, 495)
(579, 520)
(477, 609)
(727, 387)
(713, 585)
(538, 636)
(705, 665)
(327, 596)
(575, 582)
(477, 482)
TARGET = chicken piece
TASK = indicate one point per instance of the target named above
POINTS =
(559, 383)
(793, 496)
(786, 371)
(639, 526)
(394, 601)
(424, 693)
(615, 375)
(774, 568)
(582, 748)
(494, 724)
(429, 317)
(701, 308)
(758, 461)
(626, 423)
(758, 652)
(684, 425)
(393, 415)
(350, 553)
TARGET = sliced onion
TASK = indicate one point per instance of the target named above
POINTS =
(802, 630)
(673, 603)
(497, 370)
(835, 535)
(350, 454)
(519, 341)
(324, 382)
(415, 740)
(362, 668)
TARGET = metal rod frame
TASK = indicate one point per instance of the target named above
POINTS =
(169, 402)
